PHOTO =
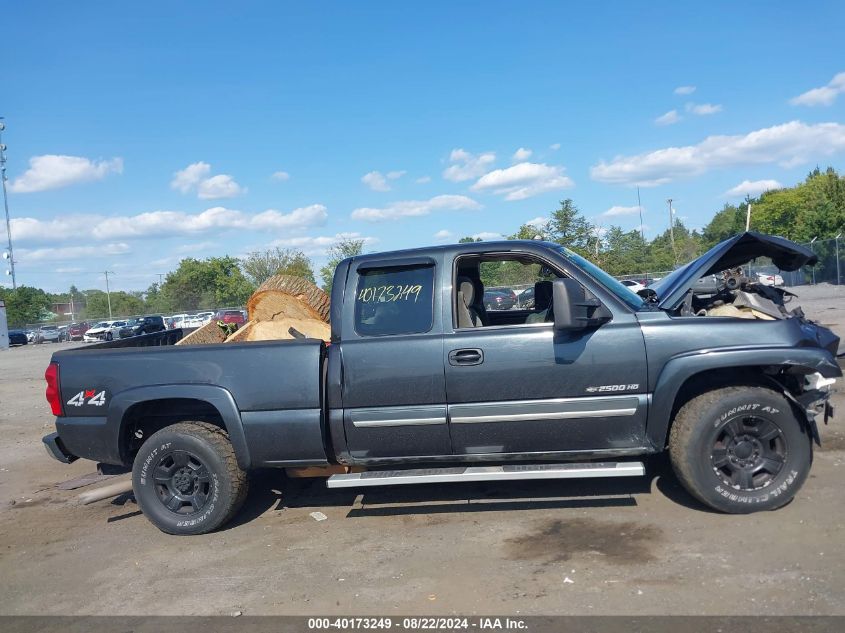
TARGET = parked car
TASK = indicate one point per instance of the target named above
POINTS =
(635, 286)
(47, 334)
(142, 325)
(17, 337)
(76, 331)
(103, 331)
(176, 321)
(498, 300)
(769, 279)
(406, 393)
(205, 317)
(525, 299)
(230, 316)
(113, 331)
(92, 334)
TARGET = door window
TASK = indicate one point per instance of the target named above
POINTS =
(397, 300)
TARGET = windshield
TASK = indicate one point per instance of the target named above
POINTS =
(611, 284)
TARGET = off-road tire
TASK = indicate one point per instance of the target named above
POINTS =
(708, 449)
(223, 488)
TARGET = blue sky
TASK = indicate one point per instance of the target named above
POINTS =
(141, 134)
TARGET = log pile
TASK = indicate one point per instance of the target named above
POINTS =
(283, 307)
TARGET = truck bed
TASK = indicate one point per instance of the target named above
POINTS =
(268, 395)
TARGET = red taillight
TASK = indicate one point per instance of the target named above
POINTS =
(52, 393)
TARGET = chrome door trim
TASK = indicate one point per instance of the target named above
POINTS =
(546, 409)
(398, 416)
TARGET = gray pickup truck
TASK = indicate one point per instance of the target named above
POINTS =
(421, 384)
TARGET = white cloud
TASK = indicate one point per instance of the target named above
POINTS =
(443, 234)
(554, 146)
(52, 171)
(220, 186)
(280, 176)
(423, 180)
(790, 143)
(539, 222)
(186, 179)
(70, 252)
(196, 176)
(684, 90)
(522, 154)
(617, 210)
(412, 208)
(825, 95)
(670, 118)
(164, 223)
(319, 245)
(376, 181)
(703, 109)
(523, 180)
(467, 166)
(752, 188)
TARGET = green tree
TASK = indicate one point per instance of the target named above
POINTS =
(259, 266)
(25, 305)
(214, 282)
(469, 240)
(346, 247)
(123, 304)
(567, 226)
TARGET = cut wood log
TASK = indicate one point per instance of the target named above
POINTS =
(285, 296)
(208, 334)
(280, 329)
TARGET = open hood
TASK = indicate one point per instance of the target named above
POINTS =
(733, 252)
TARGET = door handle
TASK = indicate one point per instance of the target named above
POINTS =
(466, 357)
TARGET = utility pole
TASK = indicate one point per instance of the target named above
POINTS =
(108, 292)
(748, 218)
(837, 258)
(812, 241)
(640, 207)
(10, 255)
(672, 230)
(160, 275)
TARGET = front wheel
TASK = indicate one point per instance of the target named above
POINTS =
(740, 449)
(187, 480)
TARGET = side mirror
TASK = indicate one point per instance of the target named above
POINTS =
(573, 310)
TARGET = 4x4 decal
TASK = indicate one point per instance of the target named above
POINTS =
(97, 399)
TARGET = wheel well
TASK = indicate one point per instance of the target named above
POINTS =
(145, 418)
(708, 380)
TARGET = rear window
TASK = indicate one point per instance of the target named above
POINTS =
(395, 301)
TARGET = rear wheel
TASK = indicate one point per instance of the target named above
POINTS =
(740, 449)
(187, 480)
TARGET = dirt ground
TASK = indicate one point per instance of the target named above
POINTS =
(578, 547)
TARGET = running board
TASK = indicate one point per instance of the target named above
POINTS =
(486, 473)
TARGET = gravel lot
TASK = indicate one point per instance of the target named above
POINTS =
(603, 547)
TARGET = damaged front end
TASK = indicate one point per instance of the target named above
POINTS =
(718, 284)
(742, 297)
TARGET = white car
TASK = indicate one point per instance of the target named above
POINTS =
(635, 286)
(96, 332)
(765, 279)
(193, 320)
(47, 333)
(112, 331)
(206, 317)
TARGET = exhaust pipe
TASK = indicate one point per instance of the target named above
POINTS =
(104, 492)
